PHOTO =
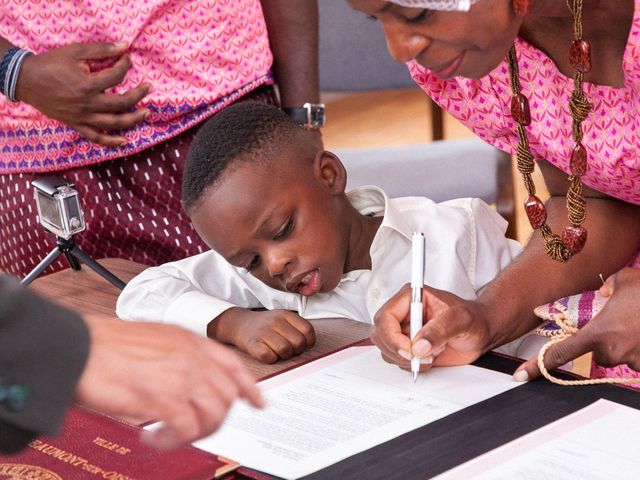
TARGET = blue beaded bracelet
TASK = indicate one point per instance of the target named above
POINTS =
(10, 69)
(4, 65)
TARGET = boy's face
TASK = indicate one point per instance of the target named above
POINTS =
(285, 221)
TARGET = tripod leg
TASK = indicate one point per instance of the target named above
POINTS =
(73, 262)
(96, 267)
(41, 267)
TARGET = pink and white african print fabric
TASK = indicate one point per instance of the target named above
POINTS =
(131, 206)
(199, 56)
(612, 129)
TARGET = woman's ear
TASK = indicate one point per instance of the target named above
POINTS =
(330, 172)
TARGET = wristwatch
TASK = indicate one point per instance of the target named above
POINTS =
(310, 115)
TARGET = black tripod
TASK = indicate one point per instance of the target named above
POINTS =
(68, 247)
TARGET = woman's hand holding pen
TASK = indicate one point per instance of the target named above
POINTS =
(453, 333)
(266, 335)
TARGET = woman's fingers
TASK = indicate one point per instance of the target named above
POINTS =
(120, 103)
(112, 121)
(555, 356)
(387, 333)
(100, 137)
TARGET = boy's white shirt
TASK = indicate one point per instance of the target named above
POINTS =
(465, 249)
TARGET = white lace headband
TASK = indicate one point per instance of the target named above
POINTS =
(459, 5)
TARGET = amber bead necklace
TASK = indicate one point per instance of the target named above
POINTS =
(574, 235)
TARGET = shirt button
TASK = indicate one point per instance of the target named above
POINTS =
(375, 293)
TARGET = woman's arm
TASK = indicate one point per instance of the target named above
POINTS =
(533, 278)
(504, 311)
(293, 37)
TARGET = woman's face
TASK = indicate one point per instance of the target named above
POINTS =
(449, 44)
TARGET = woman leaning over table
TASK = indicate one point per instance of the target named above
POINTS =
(111, 99)
(518, 100)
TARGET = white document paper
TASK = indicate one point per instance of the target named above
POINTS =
(343, 404)
(597, 442)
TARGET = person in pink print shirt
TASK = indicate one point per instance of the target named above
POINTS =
(461, 59)
(110, 98)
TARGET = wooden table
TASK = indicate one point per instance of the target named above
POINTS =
(419, 454)
(86, 292)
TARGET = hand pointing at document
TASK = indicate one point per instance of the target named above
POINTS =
(52, 356)
(162, 372)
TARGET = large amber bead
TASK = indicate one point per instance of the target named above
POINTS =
(580, 55)
(574, 237)
(536, 211)
(578, 161)
(520, 109)
(523, 7)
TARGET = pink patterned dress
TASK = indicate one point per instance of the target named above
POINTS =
(199, 56)
(611, 131)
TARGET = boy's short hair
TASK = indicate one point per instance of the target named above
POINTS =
(246, 131)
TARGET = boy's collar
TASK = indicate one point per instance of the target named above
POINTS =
(370, 199)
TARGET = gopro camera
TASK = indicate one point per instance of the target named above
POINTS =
(58, 206)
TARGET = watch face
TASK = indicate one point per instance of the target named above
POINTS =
(310, 115)
(315, 114)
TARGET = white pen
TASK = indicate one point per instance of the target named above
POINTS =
(417, 281)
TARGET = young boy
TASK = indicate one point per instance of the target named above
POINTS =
(285, 237)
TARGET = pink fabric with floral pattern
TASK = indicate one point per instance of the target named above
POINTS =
(199, 56)
(611, 131)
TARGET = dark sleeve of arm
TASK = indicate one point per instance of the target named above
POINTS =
(43, 348)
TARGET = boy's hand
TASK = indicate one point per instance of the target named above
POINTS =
(265, 335)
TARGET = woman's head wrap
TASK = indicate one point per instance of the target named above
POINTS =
(451, 5)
